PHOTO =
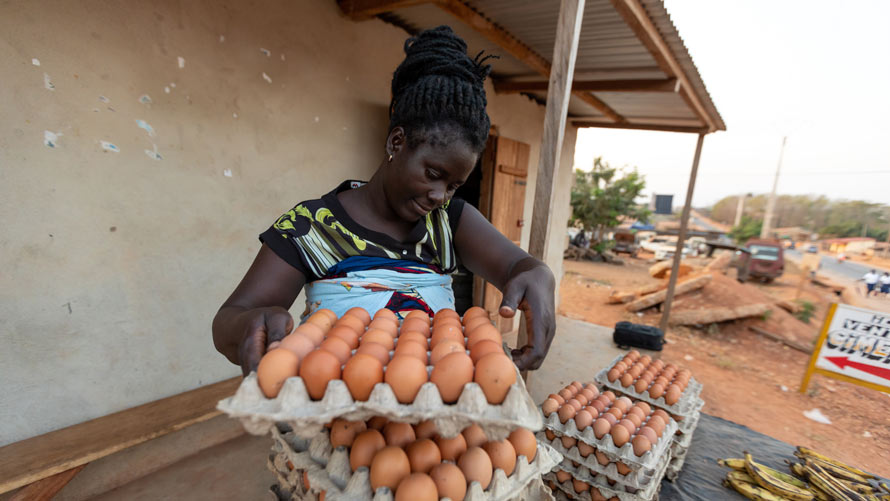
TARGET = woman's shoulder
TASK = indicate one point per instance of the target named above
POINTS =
(299, 218)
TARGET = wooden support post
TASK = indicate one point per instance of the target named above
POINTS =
(46, 488)
(681, 238)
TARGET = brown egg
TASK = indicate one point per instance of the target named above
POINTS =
(568, 442)
(627, 379)
(375, 350)
(398, 434)
(360, 374)
(337, 347)
(566, 394)
(616, 411)
(563, 476)
(580, 486)
(590, 392)
(414, 337)
(450, 481)
(619, 434)
(574, 403)
(549, 407)
(451, 448)
(585, 449)
(446, 348)
(601, 458)
(610, 418)
(351, 322)
(447, 313)
(622, 404)
(474, 312)
(476, 466)
(389, 467)
(359, 313)
(581, 399)
(275, 367)
(622, 366)
(622, 468)
(471, 326)
(446, 333)
(485, 332)
(377, 422)
(447, 321)
(306, 480)
(628, 425)
(613, 374)
(390, 327)
(636, 411)
(656, 390)
(583, 419)
(656, 423)
(597, 406)
(298, 343)
(416, 325)
(565, 413)
(641, 385)
(417, 487)
(423, 454)
(405, 375)
(474, 436)
(610, 395)
(412, 349)
(557, 397)
(549, 434)
(635, 371)
(665, 417)
(601, 426)
(317, 369)
(641, 445)
(643, 406)
(312, 331)
(450, 374)
(322, 495)
(502, 455)
(495, 374)
(524, 443)
(425, 429)
(672, 395)
(345, 334)
(636, 420)
(380, 337)
(386, 313)
(343, 432)
(483, 348)
(321, 319)
(421, 314)
(649, 433)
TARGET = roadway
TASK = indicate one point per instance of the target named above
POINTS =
(830, 266)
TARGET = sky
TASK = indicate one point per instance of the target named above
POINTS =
(817, 72)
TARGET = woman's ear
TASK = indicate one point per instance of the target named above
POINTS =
(396, 141)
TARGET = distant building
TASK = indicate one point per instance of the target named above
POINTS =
(662, 204)
(852, 245)
(795, 233)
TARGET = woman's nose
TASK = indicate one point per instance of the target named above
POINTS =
(437, 196)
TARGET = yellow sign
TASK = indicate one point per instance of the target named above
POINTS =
(854, 346)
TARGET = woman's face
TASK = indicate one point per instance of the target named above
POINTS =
(422, 179)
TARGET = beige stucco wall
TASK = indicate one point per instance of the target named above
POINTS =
(112, 264)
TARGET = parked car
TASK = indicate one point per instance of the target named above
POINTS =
(813, 249)
(667, 249)
(625, 242)
(762, 259)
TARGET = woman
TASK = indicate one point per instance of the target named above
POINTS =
(393, 241)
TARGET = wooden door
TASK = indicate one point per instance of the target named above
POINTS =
(502, 201)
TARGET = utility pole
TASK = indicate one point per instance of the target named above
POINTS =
(771, 204)
(740, 208)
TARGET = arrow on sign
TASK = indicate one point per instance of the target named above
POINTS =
(845, 362)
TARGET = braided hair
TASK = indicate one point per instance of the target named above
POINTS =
(437, 91)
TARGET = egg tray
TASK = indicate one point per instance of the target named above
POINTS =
(636, 479)
(684, 439)
(328, 470)
(676, 464)
(568, 490)
(687, 405)
(625, 453)
(600, 480)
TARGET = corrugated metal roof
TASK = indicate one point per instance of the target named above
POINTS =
(608, 49)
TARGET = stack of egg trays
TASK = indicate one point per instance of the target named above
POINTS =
(328, 469)
(681, 446)
(644, 488)
(567, 491)
(306, 417)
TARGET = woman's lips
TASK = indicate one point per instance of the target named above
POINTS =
(423, 211)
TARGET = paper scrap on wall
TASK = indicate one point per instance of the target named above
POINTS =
(109, 146)
(50, 138)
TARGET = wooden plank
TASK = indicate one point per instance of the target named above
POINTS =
(360, 10)
(658, 297)
(30, 460)
(641, 126)
(634, 14)
(719, 314)
(639, 85)
(45, 489)
(681, 238)
(787, 342)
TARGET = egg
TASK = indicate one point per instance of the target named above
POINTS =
(306, 480)
(447, 332)
(567, 441)
(581, 399)
(398, 434)
(337, 347)
(549, 407)
(585, 449)
(345, 334)
(656, 390)
(583, 419)
(299, 344)
(446, 348)
(405, 375)
(380, 337)
(502, 455)
(386, 325)
(574, 403)
(622, 468)
(312, 331)
(387, 314)
(600, 427)
(565, 413)
(450, 374)
(649, 433)
(389, 467)
(641, 385)
(360, 374)
(609, 394)
(412, 349)
(563, 476)
(416, 487)
(626, 380)
(580, 486)
(616, 411)
(275, 367)
(365, 445)
(375, 350)
(598, 406)
(425, 429)
(377, 422)
(451, 448)
(450, 481)
(486, 332)
(661, 380)
(672, 395)
(601, 458)
(665, 417)
(343, 432)
(644, 407)
(476, 466)
(483, 348)
(447, 321)
(473, 324)
(495, 374)
(656, 423)
(556, 397)
(633, 418)
(549, 434)
(624, 402)
(622, 365)
(613, 374)
(610, 418)
(423, 454)
(638, 412)
(474, 312)
(317, 369)
(321, 319)
(590, 393)
(524, 443)
(628, 425)
(619, 434)
(641, 445)
(416, 325)
(353, 323)
(566, 394)
(359, 313)
(420, 314)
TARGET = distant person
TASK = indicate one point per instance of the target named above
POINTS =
(885, 284)
(871, 281)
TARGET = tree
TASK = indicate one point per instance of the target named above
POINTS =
(747, 228)
(605, 195)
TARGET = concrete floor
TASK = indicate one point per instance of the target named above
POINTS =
(236, 470)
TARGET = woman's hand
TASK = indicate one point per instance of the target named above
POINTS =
(262, 327)
(530, 288)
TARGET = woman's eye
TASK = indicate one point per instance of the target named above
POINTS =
(432, 174)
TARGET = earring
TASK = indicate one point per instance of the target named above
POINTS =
(390, 157)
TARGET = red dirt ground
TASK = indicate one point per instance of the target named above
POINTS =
(744, 373)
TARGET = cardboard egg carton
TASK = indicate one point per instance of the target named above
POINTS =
(599, 479)
(307, 417)
(636, 479)
(685, 438)
(687, 405)
(676, 464)
(328, 470)
(568, 490)
(625, 453)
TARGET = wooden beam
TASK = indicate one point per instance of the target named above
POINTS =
(360, 10)
(647, 85)
(634, 14)
(642, 126)
(47, 488)
(681, 238)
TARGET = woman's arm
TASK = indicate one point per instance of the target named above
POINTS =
(256, 312)
(527, 283)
